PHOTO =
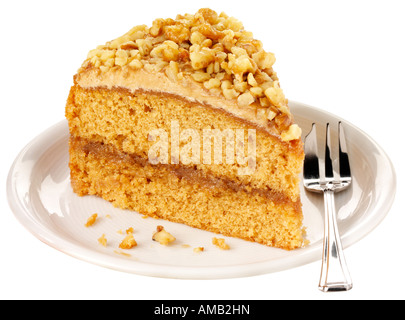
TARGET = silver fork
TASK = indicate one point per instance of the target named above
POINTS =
(334, 274)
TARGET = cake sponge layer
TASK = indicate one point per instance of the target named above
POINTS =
(159, 191)
(126, 119)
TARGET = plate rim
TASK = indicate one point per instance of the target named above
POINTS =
(303, 257)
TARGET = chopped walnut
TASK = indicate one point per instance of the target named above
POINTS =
(230, 93)
(276, 96)
(102, 240)
(121, 57)
(198, 249)
(136, 64)
(128, 242)
(212, 49)
(129, 230)
(245, 99)
(173, 71)
(168, 51)
(212, 83)
(162, 236)
(201, 76)
(91, 220)
(293, 133)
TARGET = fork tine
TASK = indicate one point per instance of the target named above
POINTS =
(328, 157)
(344, 165)
(311, 162)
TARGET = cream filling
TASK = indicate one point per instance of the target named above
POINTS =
(186, 88)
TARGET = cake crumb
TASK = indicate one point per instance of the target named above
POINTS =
(185, 246)
(128, 242)
(129, 230)
(198, 249)
(91, 220)
(102, 240)
(220, 243)
(162, 236)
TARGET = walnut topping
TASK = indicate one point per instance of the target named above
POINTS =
(212, 49)
(293, 132)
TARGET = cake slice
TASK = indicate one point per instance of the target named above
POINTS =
(186, 121)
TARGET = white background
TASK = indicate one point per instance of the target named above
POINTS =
(346, 57)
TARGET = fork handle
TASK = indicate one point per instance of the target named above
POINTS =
(334, 274)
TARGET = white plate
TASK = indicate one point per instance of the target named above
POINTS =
(41, 198)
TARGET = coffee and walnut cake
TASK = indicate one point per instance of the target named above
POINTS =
(187, 83)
